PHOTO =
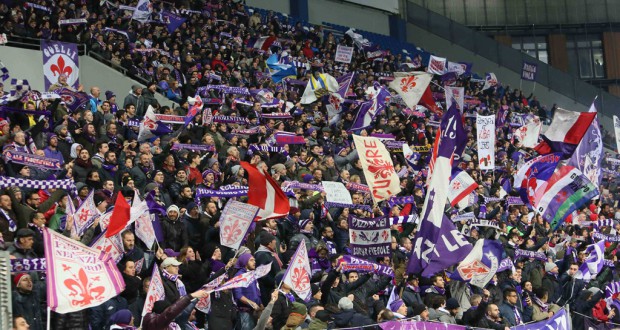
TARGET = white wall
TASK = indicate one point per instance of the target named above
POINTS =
(282, 6)
(348, 14)
(28, 64)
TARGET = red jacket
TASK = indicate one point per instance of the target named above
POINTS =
(600, 311)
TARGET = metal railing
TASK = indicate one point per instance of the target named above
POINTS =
(511, 59)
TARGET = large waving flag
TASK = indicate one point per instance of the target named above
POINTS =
(120, 216)
(78, 277)
(481, 264)
(142, 217)
(151, 127)
(435, 231)
(411, 86)
(528, 134)
(84, 215)
(235, 220)
(531, 178)
(335, 100)
(589, 153)
(370, 109)
(196, 105)
(457, 133)
(262, 43)
(143, 11)
(565, 132)
(279, 70)
(378, 167)
(172, 20)
(567, 190)
(594, 261)
(297, 274)
(265, 193)
(319, 87)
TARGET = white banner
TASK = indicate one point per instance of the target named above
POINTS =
(485, 127)
(235, 220)
(378, 167)
(528, 134)
(460, 188)
(436, 65)
(344, 54)
(617, 129)
(336, 192)
(78, 277)
(112, 245)
(455, 93)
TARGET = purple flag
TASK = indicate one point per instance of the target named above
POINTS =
(370, 109)
(172, 20)
(60, 59)
(528, 71)
(74, 100)
(479, 267)
(379, 269)
(343, 83)
(559, 321)
(370, 237)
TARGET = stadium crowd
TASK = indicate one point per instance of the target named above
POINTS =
(98, 148)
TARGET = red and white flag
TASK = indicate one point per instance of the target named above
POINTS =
(297, 274)
(411, 86)
(120, 216)
(460, 187)
(265, 193)
(565, 132)
(78, 277)
(235, 220)
(156, 291)
(378, 167)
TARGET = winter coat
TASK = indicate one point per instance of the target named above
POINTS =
(175, 234)
(350, 318)
(28, 305)
(570, 288)
(161, 321)
(75, 320)
(100, 315)
(508, 314)
(281, 309)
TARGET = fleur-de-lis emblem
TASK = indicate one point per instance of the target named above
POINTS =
(456, 185)
(381, 168)
(353, 236)
(385, 235)
(60, 67)
(231, 231)
(407, 83)
(300, 279)
(335, 101)
(83, 291)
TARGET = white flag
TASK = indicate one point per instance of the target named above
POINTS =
(318, 87)
(143, 11)
(297, 274)
(156, 291)
(410, 86)
(436, 65)
(455, 94)
(235, 220)
(78, 277)
(490, 80)
(378, 167)
(85, 215)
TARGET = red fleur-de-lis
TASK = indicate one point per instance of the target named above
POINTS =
(385, 235)
(83, 290)
(300, 279)
(231, 231)
(60, 67)
(407, 83)
(381, 168)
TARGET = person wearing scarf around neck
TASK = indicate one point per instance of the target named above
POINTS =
(541, 309)
(266, 254)
(248, 299)
(551, 281)
(512, 312)
(437, 289)
(410, 289)
(306, 233)
(173, 287)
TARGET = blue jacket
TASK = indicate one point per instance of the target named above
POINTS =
(252, 292)
(508, 314)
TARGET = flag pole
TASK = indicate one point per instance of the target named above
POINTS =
(49, 318)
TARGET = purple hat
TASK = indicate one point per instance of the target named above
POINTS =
(310, 130)
(395, 305)
(171, 253)
(109, 95)
(50, 137)
(303, 223)
(307, 178)
(243, 260)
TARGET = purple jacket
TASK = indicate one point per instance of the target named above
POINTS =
(252, 292)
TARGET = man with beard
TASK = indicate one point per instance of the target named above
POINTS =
(114, 140)
(180, 182)
(132, 251)
(327, 235)
(195, 224)
(33, 204)
(51, 151)
(140, 171)
(109, 167)
(174, 230)
(99, 157)
(248, 299)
